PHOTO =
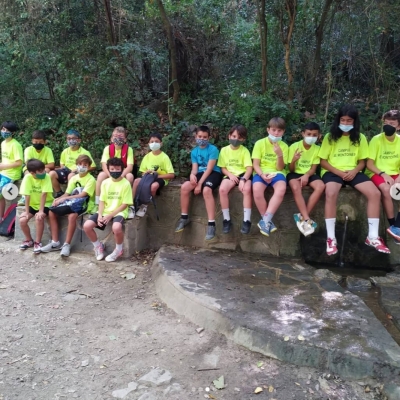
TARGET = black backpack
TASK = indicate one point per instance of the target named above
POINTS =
(7, 226)
(143, 192)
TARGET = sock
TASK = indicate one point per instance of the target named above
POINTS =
(392, 221)
(211, 222)
(96, 243)
(247, 214)
(97, 201)
(330, 227)
(373, 228)
(225, 213)
(53, 241)
(397, 223)
(118, 246)
(184, 216)
(267, 217)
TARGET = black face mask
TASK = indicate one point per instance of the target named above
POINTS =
(115, 174)
(389, 130)
(38, 146)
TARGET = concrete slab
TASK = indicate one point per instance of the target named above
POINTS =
(278, 308)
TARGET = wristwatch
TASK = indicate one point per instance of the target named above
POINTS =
(380, 173)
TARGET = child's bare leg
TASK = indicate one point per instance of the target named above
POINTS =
(23, 223)
(54, 181)
(130, 178)
(53, 226)
(70, 175)
(318, 189)
(71, 227)
(247, 195)
(373, 195)
(118, 233)
(39, 222)
(154, 188)
(88, 227)
(99, 181)
(210, 203)
(331, 195)
(277, 198)
(226, 186)
(134, 187)
(295, 185)
(2, 206)
(387, 200)
(259, 198)
(186, 188)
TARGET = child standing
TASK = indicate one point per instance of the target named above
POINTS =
(68, 162)
(38, 192)
(87, 183)
(269, 158)
(384, 166)
(11, 160)
(303, 165)
(343, 154)
(204, 177)
(115, 197)
(236, 165)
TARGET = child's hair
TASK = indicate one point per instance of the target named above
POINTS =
(10, 126)
(74, 132)
(311, 126)
(203, 128)
(393, 115)
(336, 133)
(34, 165)
(241, 130)
(120, 129)
(83, 158)
(38, 135)
(115, 162)
(155, 135)
(277, 122)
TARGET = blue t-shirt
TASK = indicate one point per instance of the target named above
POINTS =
(203, 156)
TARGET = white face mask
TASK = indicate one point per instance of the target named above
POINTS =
(155, 146)
(81, 169)
(346, 128)
(310, 140)
(274, 139)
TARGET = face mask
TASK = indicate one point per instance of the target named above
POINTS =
(5, 134)
(72, 142)
(38, 146)
(41, 176)
(310, 140)
(274, 139)
(81, 170)
(345, 128)
(235, 142)
(389, 130)
(202, 142)
(116, 174)
(155, 146)
(118, 141)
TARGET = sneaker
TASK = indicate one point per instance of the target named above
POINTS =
(181, 224)
(394, 231)
(396, 241)
(297, 218)
(37, 248)
(50, 247)
(210, 235)
(378, 244)
(65, 250)
(95, 209)
(301, 225)
(142, 210)
(308, 227)
(331, 247)
(26, 244)
(99, 252)
(58, 194)
(21, 201)
(314, 224)
(114, 255)
(226, 226)
(131, 212)
(266, 229)
(246, 225)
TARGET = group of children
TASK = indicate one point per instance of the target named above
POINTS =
(343, 156)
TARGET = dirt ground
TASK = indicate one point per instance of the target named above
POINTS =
(78, 329)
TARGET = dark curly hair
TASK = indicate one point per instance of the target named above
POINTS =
(336, 133)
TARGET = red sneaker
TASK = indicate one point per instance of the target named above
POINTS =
(331, 247)
(378, 243)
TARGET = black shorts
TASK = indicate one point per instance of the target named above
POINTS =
(294, 175)
(241, 175)
(33, 211)
(118, 218)
(213, 180)
(331, 177)
(62, 175)
(161, 184)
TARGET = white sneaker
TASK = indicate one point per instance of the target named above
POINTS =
(131, 212)
(308, 227)
(142, 210)
(52, 246)
(114, 255)
(99, 251)
(65, 250)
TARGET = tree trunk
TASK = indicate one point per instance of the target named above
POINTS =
(263, 41)
(110, 22)
(172, 52)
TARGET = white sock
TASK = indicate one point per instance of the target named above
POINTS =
(53, 241)
(118, 246)
(267, 217)
(225, 213)
(96, 243)
(247, 214)
(97, 201)
(330, 227)
(373, 228)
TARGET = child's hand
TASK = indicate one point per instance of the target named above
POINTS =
(197, 189)
(39, 216)
(388, 179)
(193, 179)
(241, 185)
(268, 177)
(233, 178)
(277, 150)
(349, 175)
(24, 215)
(303, 180)
(397, 180)
(297, 155)
(107, 219)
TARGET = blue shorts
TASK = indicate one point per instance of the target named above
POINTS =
(277, 178)
(4, 180)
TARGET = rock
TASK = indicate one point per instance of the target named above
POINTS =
(157, 377)
(174, 388)
(121, 393)
(84, 363)
(71, 297)
(199, 330)
(357, 283)
(326, 274)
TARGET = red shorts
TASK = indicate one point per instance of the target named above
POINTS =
(378, 180)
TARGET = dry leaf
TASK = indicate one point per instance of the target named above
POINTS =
(300, 337)
(270, 388)
(258, 390)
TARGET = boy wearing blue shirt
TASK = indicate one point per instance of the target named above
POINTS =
(205, 177)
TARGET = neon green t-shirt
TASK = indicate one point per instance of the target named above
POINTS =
(264, 151)
(68, 157)
(307, 159)
(385, 154)
(235, 161)
(114, 194)
(151, 161)
(88, 183)
(106, 155)
(34, 188)
(45, 155)
(11, 151)
(342, 154)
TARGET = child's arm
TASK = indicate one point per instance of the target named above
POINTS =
(128, 170)
(372, 167)
(167, 176)
(280, 164)
(49, 166)
(193, 173)
(231, 176)
(101, 209)
(106, 219)
(14, 164)
(207, 172)
(296, 157)
(304, 178)
(40, 214)
(105, 169)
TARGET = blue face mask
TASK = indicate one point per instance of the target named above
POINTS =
(202, 142)
(72, 142)
(274, 139)
(346, 128)
(5, 134)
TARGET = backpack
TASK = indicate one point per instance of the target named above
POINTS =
(124, 157)
(69, 206)
(7, 226)
(143, 192)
